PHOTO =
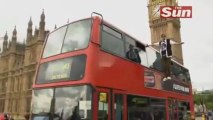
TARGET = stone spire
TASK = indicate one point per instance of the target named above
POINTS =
(42, 21)
(14, 37)
(36, 31)
(29, 29)
(12, 45)
(24, 42)
(5, 43)
(5, 36)
(42, 26)
(55, 27)
(9, 44)
(42, 16)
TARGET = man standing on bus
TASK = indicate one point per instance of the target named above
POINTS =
(166, 54)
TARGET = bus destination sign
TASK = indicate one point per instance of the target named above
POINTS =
(66, 69)
(58, 71)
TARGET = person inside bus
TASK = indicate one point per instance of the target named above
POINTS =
(138, 59)
(157, 64)
(158, 114)
(133, 54)
(75, 114)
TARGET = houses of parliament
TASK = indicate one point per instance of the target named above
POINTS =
(18, 62)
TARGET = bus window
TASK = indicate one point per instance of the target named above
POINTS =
(154, 59)
(183, 110)
(188, 76)
(145, 108)
(103, 106)
(112, 32)
(77, 36)
(54, 42)
(112, 41)
(180, 72)
(118, 106)
(71, 37)
(130, 52)
(42, 101)
(73, 103)
(142, 53)
(64, 103)
(137, 50)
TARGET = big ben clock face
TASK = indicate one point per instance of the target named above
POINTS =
(155, 11)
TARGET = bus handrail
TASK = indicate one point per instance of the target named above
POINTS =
(97, 14)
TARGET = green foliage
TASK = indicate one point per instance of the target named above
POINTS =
(210, 98)
(207, 98)
(197, 98)
(209, 105)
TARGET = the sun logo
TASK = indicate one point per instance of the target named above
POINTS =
(176, 11)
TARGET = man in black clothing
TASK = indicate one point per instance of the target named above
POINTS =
(133, 54)
(166, 54)
(158, 115)
(138, 59)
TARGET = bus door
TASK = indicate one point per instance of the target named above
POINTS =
(119, 105)
(102, 100)
(173, 109)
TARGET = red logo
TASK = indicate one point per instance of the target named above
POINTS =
(176, 11)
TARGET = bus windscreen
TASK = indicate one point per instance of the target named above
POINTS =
(72, 37)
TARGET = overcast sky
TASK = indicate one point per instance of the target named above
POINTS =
(128, 15)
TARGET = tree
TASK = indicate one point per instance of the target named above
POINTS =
(207, 98)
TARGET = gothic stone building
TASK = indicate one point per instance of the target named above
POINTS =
(18, 63)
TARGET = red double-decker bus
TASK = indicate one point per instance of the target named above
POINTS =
(87, 72)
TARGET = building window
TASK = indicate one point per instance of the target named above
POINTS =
(28, 104)
(13, 105)
(17, 105)
(17, 84)
(30, 79)
(1, 105)
(12, 85)
(2, 86)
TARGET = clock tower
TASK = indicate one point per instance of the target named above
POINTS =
(168, 26)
